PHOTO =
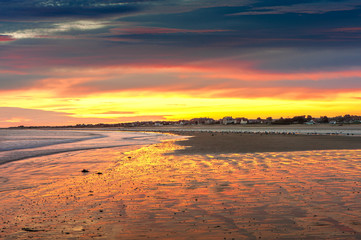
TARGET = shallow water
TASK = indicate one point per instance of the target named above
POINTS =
(149, 194)
(50, 155)
(20, 144)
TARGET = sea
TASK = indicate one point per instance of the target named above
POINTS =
(22, 144)
(42, 156)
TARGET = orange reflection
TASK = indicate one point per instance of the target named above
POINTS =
(148, 193)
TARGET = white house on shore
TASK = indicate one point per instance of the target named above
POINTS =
(241, 120)
(227, 120)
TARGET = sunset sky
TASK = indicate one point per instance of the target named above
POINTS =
(76, 61)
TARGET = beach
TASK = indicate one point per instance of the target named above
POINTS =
(215, 185)
(228, 142)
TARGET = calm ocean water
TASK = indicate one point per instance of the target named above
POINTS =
(29, 158)
(22, 144)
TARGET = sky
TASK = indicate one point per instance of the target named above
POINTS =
(75, 61)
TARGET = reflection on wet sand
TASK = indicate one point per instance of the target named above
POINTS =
(150, 194)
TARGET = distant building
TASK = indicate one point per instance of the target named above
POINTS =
(257, 121)
(241, 120)
(200, 121)
(244, 121)
(227, 120)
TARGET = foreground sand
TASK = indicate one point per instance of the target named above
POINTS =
(151, 193)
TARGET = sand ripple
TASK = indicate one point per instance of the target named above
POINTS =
(148, 194)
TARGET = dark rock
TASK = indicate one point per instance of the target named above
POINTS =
(31, 230)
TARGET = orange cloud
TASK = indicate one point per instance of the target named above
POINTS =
(6, 38)
(197, 80)
(155, 92)
(348, 29)
(16, 120)
(13, 116)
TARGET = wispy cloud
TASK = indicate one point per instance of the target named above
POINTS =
(158, 30)
(6, 38)
(48, 9)
(56, 28)
(117, 113)
(347, 29)
(317, 7)
(218, 78)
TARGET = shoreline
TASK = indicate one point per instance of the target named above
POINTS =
(346, 130)
(22, 150)
(221, 143)
(240, 139)
(316, 129)
(223, 139)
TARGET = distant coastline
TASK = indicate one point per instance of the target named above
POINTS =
(230, 121)
(261, 129)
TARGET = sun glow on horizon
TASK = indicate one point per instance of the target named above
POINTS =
(156, 92)
(134, 106)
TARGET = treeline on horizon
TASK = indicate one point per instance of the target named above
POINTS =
(346, 119)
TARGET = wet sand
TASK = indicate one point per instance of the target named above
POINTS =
(226, 142)
(151, 193)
